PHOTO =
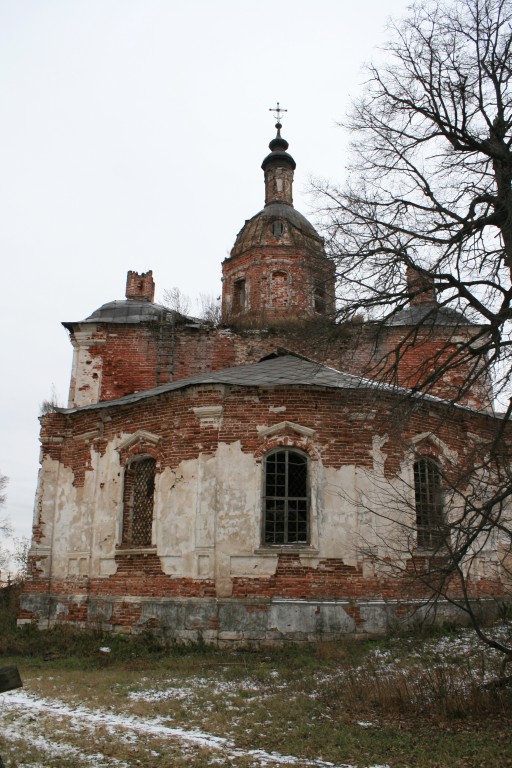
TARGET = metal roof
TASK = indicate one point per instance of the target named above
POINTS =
(280, 369)
(129, 311)
(273, 371)
(428, 314)
(254, 230)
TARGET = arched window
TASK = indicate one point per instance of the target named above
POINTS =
(429, 504)
(139, 489)
(285, 504)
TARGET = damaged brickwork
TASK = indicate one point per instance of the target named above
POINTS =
(154, 502)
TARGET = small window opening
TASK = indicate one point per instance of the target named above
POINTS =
(239, 296)
(286, 498)
(429, 504)
(320, 298)
(139, 489)
(277, 228)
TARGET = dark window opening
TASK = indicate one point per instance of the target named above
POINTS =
(139, 489)
(239, 296)
(286, 498)
(320, 298)
(429, 504)
(277, 228)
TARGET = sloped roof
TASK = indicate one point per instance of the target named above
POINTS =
(428, 314)
(273, 371)
(279, 369)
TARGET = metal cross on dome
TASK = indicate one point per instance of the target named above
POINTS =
(277, 111)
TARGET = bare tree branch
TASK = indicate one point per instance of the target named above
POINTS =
(425, 221)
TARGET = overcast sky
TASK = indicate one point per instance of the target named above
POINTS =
(131, 137)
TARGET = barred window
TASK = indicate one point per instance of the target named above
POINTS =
(139, 487)
(429, 504)
(285, 505)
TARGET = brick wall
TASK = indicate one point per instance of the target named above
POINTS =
(129, 358)
(345, 424)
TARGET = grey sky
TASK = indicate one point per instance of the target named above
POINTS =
(131, 137)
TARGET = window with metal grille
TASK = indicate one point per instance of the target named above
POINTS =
(429, 504)
(139, 487)
(285, 505)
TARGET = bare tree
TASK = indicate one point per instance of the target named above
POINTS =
(176, 300)
(49, 405)
(5, 524)
(430, 184)
(429, 194)
(210, 308)
(20, 553)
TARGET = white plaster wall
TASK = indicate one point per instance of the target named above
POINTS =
(103, 495)
(86, 371)
(175, 514)
(238, 517)
(51, 476)
(207, 516)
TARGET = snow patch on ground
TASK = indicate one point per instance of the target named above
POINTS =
(117, 724)
(97, 759)
(166, 691)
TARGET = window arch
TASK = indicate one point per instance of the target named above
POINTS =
(286, 498)
(428, 495)
(138, 496)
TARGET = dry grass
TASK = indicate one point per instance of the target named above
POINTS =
(407, 702)
(395, 685)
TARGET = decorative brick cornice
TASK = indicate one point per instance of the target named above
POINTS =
(284, 427)
(141, 442)
(437, 447)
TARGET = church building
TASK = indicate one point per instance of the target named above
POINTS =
(263, 479)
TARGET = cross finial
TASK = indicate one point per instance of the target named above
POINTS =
(277, 112)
